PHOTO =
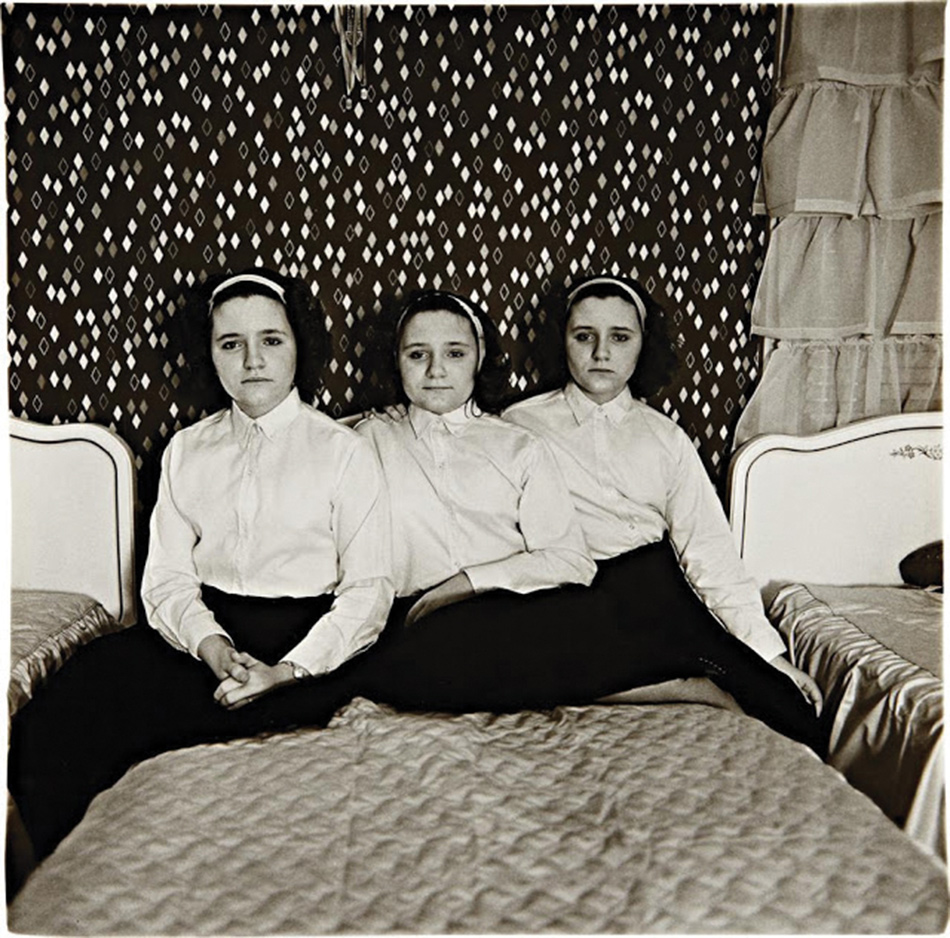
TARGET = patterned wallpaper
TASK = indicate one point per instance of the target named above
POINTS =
(496, 151)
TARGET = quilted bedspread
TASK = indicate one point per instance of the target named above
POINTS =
(677, 818)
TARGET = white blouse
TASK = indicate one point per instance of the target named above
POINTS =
(478, 495)
(635, 476)
(291, 504)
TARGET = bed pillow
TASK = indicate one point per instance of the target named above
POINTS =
(46, 627)
(924, 566)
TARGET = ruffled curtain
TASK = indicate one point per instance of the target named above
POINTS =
(851, 175)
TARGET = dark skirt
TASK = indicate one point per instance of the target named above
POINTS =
(638, 623)
(673, 634)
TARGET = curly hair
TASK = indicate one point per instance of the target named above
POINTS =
(659, 358)
(492, 385)
(194, 322)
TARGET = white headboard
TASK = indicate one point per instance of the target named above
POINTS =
(840, 507)
(72, 498)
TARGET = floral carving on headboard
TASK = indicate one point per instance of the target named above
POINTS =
(909, 451)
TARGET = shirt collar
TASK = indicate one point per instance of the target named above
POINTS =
(454, 421)
(271, 424)
(583, 408)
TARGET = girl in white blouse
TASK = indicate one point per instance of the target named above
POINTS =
(651, 517)
(489, 561)
(268, 564)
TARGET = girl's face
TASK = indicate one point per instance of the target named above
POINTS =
(603, 341)
(438, 357)
(254, 352)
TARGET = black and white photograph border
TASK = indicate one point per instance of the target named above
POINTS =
(502, 153)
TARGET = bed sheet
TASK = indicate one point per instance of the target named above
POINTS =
(672, 819)
(46, 627)
(875, 652)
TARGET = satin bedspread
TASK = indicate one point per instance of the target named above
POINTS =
(876, 653)
(46, 627)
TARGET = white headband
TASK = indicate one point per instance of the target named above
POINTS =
(247, 278)
(467, 307)
(626, 289)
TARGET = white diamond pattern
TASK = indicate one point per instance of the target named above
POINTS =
(498, 151)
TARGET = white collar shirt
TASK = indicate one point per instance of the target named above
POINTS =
(635, 477)
(475, 494)
(290, 504)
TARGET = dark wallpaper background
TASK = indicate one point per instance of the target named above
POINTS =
(499, 151)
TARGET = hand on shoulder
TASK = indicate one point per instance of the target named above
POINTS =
(391, 414)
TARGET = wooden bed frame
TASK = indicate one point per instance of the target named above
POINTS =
(843, 506)
(72, 504)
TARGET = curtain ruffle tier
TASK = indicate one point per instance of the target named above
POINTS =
(810, 386)
(828, 277)
(864, 43)
(835, 148)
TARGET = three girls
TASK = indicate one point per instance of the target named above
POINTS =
(573, 550)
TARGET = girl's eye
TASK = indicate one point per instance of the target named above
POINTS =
(621, 337)
(273, 340)
(416, 355)
(229, 345)
(583, 336)
(457, 353)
